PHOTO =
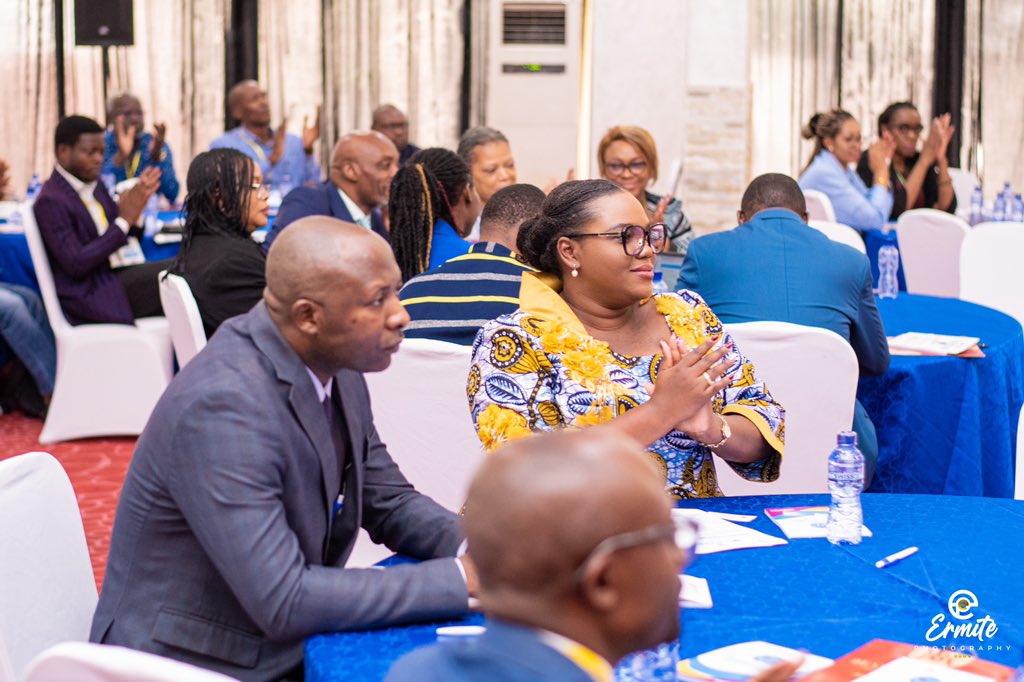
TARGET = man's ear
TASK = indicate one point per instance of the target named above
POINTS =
(350, 171)
(741, 217)
(596, 587)
(805, 217)
(306, 316)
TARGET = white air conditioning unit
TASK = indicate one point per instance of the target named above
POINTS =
(533, 83)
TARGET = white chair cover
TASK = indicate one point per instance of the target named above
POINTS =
(813, 373)
(109, 376)
(838, 232)
(182, 312)
(990, 267)
(930, 244)
(819, 206)
(964, 183)
(421, 412)
(83, 662)
(47, 587)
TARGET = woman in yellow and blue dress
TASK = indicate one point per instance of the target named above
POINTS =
(591, 347)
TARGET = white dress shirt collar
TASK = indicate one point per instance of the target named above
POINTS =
(81, 188)
(322, 390)
(358, 216)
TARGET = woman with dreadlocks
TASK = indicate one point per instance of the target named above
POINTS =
(223, 266)
(433, 205)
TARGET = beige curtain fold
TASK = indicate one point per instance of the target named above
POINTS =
(1002, 125)
(792, 75)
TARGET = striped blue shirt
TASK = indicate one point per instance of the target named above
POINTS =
(452, 301)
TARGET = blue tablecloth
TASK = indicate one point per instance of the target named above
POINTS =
(873, 240)
(808, 594)
(945, 424)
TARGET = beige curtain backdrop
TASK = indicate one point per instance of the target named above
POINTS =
(792, 75)
(403, 52)
(176, 68)
(888, 56)
(1002, 125)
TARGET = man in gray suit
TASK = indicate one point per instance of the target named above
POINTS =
(259, 465)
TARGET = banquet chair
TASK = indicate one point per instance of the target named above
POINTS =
(819, 206)
(813, 373)
(838, 232)
(1018, 485)
(964, 183)
(930, 243)
(990, 272)
(47, 587)
(84, 662)
(182, 312)
(421, 412)
(109, 376)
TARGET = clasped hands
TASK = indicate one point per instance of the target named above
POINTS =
(686, 382)
(126, 134)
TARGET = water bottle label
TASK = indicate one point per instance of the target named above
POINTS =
(845, 476)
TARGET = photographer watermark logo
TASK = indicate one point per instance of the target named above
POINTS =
(962, 623)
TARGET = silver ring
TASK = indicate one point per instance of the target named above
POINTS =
(708, 379)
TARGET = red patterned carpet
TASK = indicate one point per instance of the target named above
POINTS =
(96, 467)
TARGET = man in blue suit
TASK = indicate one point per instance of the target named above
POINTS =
(776, 267)
(358, 184)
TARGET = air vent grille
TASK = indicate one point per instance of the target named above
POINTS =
(533, 24)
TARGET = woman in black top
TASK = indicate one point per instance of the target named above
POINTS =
(918, 179)
(224, 267)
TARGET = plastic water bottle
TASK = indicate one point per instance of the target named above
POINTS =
(888, 267)
(1017, 212)
(659, 283)
(151, 215)
(845, 482)
(1003, 206)
(977, 212)
(34, 185)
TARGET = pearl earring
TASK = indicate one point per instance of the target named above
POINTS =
(575, 271)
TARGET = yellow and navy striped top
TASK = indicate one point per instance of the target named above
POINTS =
(452, 301)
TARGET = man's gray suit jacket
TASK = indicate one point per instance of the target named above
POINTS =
(225, 551)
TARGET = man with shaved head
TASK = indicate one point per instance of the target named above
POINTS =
(286, 160)
(578, 562)
(390, 120)
(258, 467)
(358, 183)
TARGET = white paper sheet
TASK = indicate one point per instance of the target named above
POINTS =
(718, 535)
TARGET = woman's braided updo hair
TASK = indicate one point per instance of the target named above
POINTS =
(822, 126)
(568, 208)
(422, 193)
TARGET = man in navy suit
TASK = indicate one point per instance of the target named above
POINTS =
(358, 184)
(258, 467)
(86, 234)
(776, 267)
(578, 566)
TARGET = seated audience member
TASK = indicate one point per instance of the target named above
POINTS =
(87, 235)
(451, 302)
(919, 179)
(25, 329)
(257, 469)
(357, 185)
(433, 206)
(487, 153)
(831, 170)
(589, 345)
(128, 149)
(577, 569)
(225, 204)
(286, 160)
(389, 120)
(628, 157)
(776, 267)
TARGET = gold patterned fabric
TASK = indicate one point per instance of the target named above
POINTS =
(537, 369)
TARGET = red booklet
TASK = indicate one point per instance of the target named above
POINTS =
(881, 659)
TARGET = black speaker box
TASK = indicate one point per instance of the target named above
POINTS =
(104, 22)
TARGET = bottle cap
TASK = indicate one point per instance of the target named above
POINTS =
(846, 438)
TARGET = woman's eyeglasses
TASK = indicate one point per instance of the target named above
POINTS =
(260, 187)
(633, 238)
(616, 168)
(906, 128)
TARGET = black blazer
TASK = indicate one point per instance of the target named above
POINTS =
(226, 275)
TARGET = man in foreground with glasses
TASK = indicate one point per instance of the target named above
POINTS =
(578, 567)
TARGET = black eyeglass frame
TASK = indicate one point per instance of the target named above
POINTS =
(623, 235)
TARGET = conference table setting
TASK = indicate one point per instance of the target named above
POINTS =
(801, 593)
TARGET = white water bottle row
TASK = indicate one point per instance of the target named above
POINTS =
(1008, 206)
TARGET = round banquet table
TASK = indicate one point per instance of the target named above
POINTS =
(947, 424)
(807, 594)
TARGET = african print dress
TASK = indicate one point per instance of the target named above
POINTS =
(537, 369)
